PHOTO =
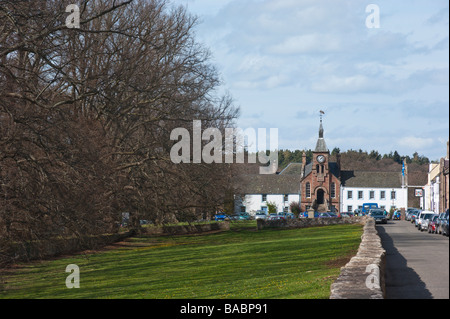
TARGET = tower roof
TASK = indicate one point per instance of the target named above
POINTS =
(321, 146)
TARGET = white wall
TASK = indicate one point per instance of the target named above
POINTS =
(254, 202)
(400, 200)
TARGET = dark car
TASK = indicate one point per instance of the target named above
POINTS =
(444, 227)
(346, 214)
(378, 215)
(441, 221)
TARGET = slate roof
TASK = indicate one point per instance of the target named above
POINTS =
(371, 179)
(268, 184)
(292, 169)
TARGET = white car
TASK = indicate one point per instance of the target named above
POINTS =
(423, 219)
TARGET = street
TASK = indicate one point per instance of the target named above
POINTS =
(417, 263)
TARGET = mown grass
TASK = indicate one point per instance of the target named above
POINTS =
(239, 264)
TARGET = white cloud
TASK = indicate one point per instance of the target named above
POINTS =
(289, 56)
(416, 142)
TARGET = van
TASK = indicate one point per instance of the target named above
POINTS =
(368, 206)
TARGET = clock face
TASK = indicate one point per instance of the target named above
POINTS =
(321, 158)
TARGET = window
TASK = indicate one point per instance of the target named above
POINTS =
(349, 208)
(383, 195)
(393, 195)
(308, 190)
(264, 197)
(286, 198)
(371, 194)
(333, 190)
(360, 195)
(383, 207)
(349, 195)
(242, 209)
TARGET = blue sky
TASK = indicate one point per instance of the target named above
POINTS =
(381, 89)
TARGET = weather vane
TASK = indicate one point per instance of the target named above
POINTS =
(321, 115)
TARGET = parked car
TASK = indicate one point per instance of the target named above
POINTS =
(425, 220)
(276, 217)
(289, 216)
(378, 215)
(413, 215)
(433, 224)
(346, 214)
(441, 221)
(261, 215)
(242, 216)
(325, 215)
(221, 217)
(444, 227)
(424, 214)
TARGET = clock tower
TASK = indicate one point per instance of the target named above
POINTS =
(321, 184)
(321, 156)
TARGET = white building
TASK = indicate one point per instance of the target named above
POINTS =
(382, 188)
(259, 190)
(432, 188)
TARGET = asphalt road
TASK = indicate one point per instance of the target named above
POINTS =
(417, 263)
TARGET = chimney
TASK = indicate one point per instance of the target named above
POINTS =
(303, 163)
(338, 161)
(447, 151)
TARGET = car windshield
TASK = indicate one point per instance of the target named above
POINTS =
(377, 213)
(427, 216)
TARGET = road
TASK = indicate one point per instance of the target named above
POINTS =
(417, 263)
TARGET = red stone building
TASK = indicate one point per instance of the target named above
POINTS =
(321, 184)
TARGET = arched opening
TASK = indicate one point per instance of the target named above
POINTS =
(320, 197)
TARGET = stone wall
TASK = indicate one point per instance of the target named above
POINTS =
(183, 230)
(41, 249)
(363, 276)
(308, 222)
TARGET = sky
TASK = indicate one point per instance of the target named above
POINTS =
(384, 89)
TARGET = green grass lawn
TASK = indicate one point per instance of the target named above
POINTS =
(240, 264)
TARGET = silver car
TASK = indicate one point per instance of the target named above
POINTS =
(424, 219)
(261, 215)
(418, 219)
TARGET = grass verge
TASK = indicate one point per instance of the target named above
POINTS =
(238, 264)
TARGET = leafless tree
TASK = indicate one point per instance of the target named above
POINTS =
(86, 115)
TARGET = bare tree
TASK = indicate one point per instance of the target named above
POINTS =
(86, 116)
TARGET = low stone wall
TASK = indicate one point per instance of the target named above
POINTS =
(363, 276)
(308, 222)
(27, 251)
(183, 230)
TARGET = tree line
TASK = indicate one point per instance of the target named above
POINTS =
(285, 157)
(86, 115)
